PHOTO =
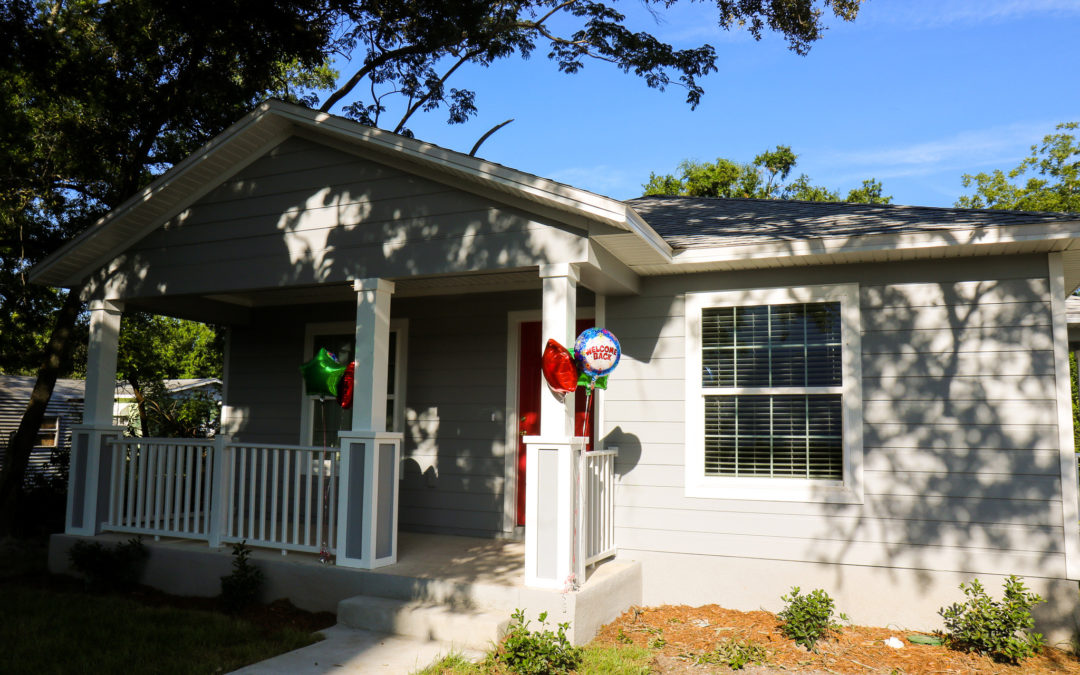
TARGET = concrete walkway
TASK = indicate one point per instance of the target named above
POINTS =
(357, 652)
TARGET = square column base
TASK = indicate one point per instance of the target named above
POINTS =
(89, 478)
(551, 502)
(368, 499)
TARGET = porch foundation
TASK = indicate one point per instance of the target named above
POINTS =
(461, 574)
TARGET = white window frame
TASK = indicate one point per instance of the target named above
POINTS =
(399, 326)
(850, 489)
(55, 434)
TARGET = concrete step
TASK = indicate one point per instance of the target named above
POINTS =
(466, 628)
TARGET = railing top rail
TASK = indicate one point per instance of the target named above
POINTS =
(139, 440)
(280, 446)
(614, 452)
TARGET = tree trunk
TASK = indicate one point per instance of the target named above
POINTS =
(17, 455)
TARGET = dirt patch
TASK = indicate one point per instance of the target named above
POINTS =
(680, 635)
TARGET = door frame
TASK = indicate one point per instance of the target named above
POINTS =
(514, 320)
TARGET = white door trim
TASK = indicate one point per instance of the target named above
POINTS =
(514, 320)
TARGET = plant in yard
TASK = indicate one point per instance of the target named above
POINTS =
(1001, 630)
(110, 568)
(809, 618)
(735, 654)
(537, 652)
(241, 588)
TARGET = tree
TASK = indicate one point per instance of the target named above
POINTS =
(761, 179)
(410, 48)
(97, 98)
(1054, 187)
(156, 348)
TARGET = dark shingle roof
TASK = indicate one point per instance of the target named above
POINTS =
(701, 222)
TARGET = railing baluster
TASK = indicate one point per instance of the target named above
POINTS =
(331, 534)
(319, 507)
(286, 496)
(277, 533)
(243, 476)
(196, 496)
(296, 498)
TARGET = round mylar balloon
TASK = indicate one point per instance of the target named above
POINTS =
(597, 352)
(558, 367)
(322, 374)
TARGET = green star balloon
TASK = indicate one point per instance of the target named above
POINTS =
(322, 374)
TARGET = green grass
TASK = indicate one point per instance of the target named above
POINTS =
(598, 660)
(622, 660)
(47, 631)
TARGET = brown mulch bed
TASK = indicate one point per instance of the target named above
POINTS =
(678, 635)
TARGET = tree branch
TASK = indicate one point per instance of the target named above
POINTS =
(472, 153)
(427, 97)
(371, 65)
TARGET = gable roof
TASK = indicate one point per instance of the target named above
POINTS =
(699, 222)
(649, 235)
(274, 121)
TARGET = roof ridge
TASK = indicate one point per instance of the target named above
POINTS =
(844, 204)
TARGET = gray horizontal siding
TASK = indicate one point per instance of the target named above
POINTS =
(306, 213)
(961, 455)
(455, 433)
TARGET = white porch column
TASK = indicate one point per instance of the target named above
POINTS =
(550, 481)
(89, 475)
(368, 494)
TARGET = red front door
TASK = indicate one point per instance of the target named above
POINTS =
(530, 385)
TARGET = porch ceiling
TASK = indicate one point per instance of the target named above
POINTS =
(234, 308)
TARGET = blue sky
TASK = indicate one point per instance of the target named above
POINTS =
(914, 93)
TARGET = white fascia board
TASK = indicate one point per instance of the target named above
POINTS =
(913, 241)
(40, 273)
(638, 225)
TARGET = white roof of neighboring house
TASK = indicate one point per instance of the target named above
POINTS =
(20, 386)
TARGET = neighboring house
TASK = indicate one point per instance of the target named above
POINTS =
(871, 399)
(66, 406)
(64, 411)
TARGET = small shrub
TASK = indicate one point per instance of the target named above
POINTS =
(537, 652)
(1000, 630)
(242, 587)
(110, 568)
(735, 654)
(809, 618)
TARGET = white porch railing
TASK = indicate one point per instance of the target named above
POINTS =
(277, 496)
(283, 496)
(162, 486)
(596, 528)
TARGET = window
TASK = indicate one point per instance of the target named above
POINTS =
(774, 400)
(323, 420)
(48, 435)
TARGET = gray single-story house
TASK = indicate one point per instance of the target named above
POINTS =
(869, 399)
